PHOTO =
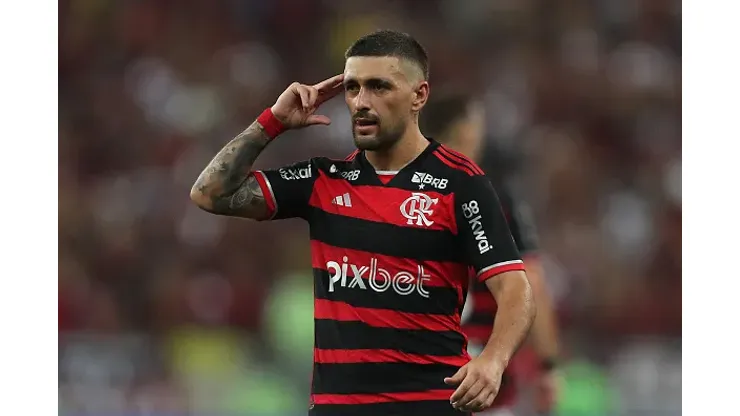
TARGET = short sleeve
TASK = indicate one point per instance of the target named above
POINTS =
(484, 236)
(288, 189)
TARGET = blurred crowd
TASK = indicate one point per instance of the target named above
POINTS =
(164, 308)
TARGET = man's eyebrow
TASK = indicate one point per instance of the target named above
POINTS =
(373, 80)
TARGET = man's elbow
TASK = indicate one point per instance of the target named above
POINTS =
(513, 287)
(200, 199)
(524, 291)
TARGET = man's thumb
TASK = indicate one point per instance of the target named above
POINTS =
(458, 377)
(317, 119)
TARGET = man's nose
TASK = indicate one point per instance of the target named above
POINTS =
(362, 101)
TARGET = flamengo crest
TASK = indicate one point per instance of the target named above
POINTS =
(417, 207)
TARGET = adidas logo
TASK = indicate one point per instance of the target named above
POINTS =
(342, 200)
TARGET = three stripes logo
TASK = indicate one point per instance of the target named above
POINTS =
(342, 200)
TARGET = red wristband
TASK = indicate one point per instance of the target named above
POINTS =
(270, 123)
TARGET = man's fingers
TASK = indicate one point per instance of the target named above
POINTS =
(481, 402)
(470, 396)
(317, 119)
(462, 389)
(330, 83)
(458, 377)
(313, 95)
(303, 93)
(486, 402)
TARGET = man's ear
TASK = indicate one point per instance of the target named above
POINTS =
(421, 95)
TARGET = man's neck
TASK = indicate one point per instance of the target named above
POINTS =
(401, 154)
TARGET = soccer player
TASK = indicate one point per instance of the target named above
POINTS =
(394, 229)
(457, 120)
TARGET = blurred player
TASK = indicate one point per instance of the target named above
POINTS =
(395, 229)
(457, 120)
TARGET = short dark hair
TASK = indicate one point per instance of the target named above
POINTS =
(442, 110)
(391, 43)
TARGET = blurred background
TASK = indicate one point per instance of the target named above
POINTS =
(167, 310)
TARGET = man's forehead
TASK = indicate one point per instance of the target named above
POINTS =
(369, 67)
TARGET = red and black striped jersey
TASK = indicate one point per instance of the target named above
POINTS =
(391, 263)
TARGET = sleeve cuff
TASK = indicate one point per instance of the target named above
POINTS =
(266, 188)
(498, 268)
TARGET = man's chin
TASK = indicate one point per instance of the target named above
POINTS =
(368, 142)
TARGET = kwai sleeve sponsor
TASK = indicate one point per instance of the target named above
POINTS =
(483, 233)
(287, 190)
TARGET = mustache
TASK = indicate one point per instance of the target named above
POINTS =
(365, 116)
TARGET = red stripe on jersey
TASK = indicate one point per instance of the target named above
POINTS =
(266, 191)
(323, 399)
(363, 204)
(352, 155)
(441, 274)
(454, 165)
(383, 356)
(462, 159)
(499, 268)
(383, 318)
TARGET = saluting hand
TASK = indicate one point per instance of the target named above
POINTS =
(295, 107)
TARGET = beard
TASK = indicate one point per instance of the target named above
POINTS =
(378, 138)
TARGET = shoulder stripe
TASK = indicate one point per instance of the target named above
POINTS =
(460, 158)
(352, 155)
(454, 165)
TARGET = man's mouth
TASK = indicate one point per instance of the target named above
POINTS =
(362, 122)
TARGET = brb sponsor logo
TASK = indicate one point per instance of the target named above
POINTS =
(291, 174)
(471, 212)
(426, 179)
(417, 207)
(372, 277)
(350, 175)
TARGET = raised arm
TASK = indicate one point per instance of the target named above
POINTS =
(226, 186)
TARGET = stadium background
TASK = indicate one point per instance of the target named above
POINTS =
(166, 310)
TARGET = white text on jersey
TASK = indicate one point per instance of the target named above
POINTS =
(290, 174)
(426, 179)
(471, 213)
(379, 280)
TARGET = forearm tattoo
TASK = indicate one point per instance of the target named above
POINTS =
(225, 186)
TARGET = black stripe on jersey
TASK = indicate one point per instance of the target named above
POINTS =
(381, 238)
(441, 300)
(378, 378)
(424, 408)
(354, 335)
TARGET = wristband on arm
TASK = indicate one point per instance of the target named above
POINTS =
(273, 127)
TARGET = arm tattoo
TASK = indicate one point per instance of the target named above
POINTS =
(225, 186)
